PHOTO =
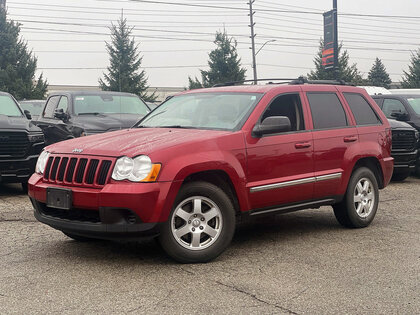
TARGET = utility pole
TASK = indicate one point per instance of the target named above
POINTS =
(3, 4)
(335, 15)
(252, 24)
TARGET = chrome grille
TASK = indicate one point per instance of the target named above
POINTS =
(78, 171)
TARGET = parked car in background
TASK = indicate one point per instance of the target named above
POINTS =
(405, 140)
(68, 115)
(20, 142)
(204, 158)
(402, 107)
(34, 107)
(152, 105)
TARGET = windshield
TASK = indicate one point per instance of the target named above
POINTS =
(35, 107)
(203, 111)
(415, 104)
(8, 107)
(109, 104)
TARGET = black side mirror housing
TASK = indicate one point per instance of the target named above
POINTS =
(60, 114)
(27, 114)
(273, 124)
(398, 115)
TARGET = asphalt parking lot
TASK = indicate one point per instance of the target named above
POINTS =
(298, 263)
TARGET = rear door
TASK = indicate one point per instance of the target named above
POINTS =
(280, 166)
(333, 134)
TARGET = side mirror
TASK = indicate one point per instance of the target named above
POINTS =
(27, 114)
(60, 114)
(398, 115)
(273, 124)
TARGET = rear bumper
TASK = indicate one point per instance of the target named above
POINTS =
(387, 165)
(117, 211)
(17, 170)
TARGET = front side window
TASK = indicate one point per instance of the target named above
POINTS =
(63, 104)
(414, 103)
(361, 109)
(391, 106)
(50, 107)
(327, 111)
(8, 107)
(203, 111)
(288, 105)
(109, 104)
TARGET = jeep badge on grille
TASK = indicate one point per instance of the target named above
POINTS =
(77, 150)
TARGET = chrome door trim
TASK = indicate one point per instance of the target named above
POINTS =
(295, 182)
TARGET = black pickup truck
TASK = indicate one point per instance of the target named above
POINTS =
(20, 142)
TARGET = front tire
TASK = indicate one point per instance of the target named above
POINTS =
(201, 224)
(360, 202)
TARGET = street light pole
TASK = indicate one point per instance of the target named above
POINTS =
(269, 41)
(252, 24)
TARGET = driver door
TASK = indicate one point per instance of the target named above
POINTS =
(280, 166)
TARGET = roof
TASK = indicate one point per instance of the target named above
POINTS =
(258, 88)
(5, 93)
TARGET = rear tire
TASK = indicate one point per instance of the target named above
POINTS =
(360, 202)
(201, 224)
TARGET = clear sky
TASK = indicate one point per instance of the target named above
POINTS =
(68, 36)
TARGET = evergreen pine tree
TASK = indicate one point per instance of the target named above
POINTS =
(411, 77)
(378, 76)
(17, 63)
(224, 64)
(345, 71)
(124, 73)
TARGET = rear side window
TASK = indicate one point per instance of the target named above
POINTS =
(361, 109)
(50, 107)
(327, 111)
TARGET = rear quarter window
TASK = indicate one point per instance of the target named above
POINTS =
(362, 111)
(327, 111)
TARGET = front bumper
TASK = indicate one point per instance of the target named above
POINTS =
(404, 161)
(120, 210)
(17, 170)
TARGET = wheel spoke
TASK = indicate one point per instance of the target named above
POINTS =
(210, 214)
(358, 198)
(210, 231)
(182, 231)
(366, 186)
(197, 206)
(184, 215)
(370, 196)
(195, 241)
(359, 187)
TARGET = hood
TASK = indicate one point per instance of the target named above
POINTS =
(133, 142)
(106, 122)
(17, 123)
(396, 124)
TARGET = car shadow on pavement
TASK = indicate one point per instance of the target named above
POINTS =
(249, 236)
(11, 190)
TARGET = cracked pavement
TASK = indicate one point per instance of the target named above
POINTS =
(297, 263)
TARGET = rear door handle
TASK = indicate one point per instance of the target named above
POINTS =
(302, 145)
(350, 139)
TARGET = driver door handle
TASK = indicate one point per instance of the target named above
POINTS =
(302, 145)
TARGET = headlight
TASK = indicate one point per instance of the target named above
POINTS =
(41, 162)
(139, 169)
(36, 137)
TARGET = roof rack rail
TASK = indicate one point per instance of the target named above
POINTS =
(299, 80)
(258, 80)
(304, 80)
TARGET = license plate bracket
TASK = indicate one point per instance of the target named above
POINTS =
(59, 198)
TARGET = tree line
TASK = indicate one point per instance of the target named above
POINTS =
(124, 73)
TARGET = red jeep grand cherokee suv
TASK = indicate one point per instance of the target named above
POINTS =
(190, 168)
